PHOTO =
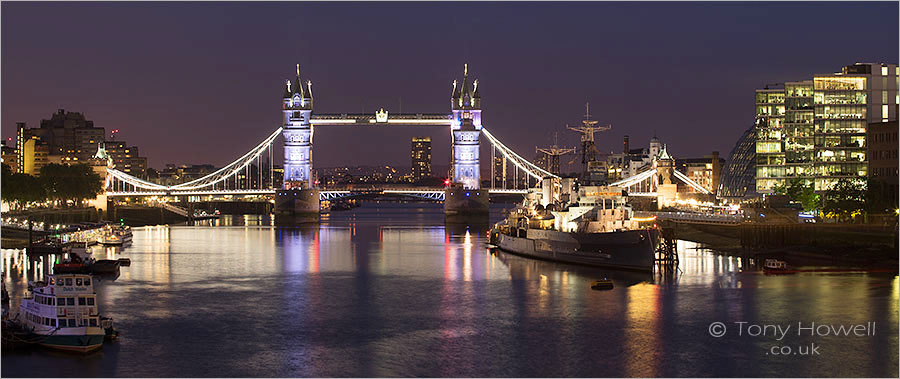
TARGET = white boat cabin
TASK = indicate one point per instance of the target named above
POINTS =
(62, 301)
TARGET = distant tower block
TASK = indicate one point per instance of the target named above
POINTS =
(297, 107)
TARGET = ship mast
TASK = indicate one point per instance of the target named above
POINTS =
(587, 129)
(554, 152)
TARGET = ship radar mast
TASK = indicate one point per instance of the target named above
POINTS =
(587, 129)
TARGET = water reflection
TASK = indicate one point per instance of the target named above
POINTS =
(394, 292)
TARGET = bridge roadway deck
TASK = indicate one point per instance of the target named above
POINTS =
(362, 119)
(323, 194)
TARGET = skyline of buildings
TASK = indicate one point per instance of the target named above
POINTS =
(815, 129)
(68, 138)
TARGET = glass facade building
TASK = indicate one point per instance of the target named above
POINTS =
(816, 129)
(739, 173)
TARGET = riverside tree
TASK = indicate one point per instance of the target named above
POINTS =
(20, 189)
(845, 199)
(71, 182)
(800, 192)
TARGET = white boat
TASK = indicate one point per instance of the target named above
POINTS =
(62, 313)
(115, 235)
(110, 239)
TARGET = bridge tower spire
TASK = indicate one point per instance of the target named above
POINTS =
(465, 197)
(465, 105)
(297, 109)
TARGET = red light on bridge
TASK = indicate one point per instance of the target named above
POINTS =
(446, 182)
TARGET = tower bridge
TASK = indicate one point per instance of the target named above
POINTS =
(300, 193)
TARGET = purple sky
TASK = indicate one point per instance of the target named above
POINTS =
(201, 82)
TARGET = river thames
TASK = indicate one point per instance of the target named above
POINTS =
(389, 290)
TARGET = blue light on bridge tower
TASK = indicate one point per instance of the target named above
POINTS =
(466, 128)
(297, 107)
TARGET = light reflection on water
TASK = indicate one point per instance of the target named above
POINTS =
(390, 290)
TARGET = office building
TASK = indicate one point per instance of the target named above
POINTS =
(815, 129)
(420, 155)
(68, 135)
(126, 158)
(34, 156)
(738, 178)
(500, 166)
(703, 171)
(10, 157)
(177, 174)
(881, 143)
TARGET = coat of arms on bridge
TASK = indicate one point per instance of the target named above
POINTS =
(381, 115)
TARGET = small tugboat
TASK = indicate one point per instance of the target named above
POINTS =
(61, 313)
(602, 284)
(110, 239)
(124, 262)
(776, 267)
(115, 235)
(105, 267)
(81, 261)
(77, 262)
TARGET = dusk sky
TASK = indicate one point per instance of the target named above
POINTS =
(202, 82)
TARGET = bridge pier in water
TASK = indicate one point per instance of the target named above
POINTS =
(466, 205)
(296, 206)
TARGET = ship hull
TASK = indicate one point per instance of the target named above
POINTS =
(81, 344)
(629, 250)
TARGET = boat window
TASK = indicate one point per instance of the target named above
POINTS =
(78, 281)
(93, 322)
(68, 281)
(87, 281)
(52, 301)
(81, 300)
(71, 301)
(90, 301)
(52, 281)
(52, 322)
(72, 323)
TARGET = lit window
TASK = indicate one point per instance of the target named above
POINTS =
(884, 111)
(884, 70)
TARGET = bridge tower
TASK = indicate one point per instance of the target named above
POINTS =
(297, 109)
(299, 198)
(666, 189)
(465, 197)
